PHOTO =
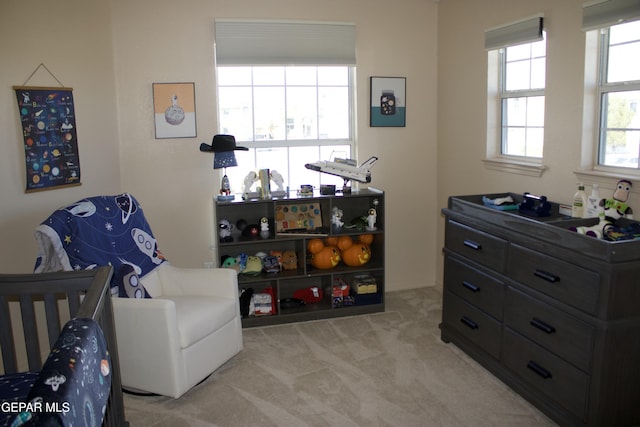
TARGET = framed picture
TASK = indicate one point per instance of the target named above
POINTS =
(388, 102)
(174, 107)
(48, 121)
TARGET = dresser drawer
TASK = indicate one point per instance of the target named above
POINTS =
(566, 282)
(476, 245)
(480, 289)
(558, 332)
(549, 374)
(475, 325)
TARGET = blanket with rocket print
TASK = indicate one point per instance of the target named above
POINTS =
(98, 231)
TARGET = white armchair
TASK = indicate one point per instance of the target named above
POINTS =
(187, 330)
(167, 343)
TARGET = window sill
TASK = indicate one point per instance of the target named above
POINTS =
(515, 166)
(605, 179)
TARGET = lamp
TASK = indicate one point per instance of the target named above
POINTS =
(223, 147)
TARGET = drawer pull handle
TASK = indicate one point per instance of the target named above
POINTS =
(539, 370)
(546, 276)
(471, 286)
(473, 245)
(470, 323)
(545, 327)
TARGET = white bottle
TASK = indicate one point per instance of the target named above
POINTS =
(593, 203)
(578, 207)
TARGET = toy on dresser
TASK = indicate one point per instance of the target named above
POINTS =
(613, 209)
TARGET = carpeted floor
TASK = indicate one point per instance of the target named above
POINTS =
(384, 369)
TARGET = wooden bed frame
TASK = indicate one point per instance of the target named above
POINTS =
(87, 295)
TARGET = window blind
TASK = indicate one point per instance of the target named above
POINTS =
(525, 31)
(284, 43)
(606, 13)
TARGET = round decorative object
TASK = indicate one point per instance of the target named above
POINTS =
(327, 258)
(367, 239)
(356, 255)
(174, 114)
(315, 245)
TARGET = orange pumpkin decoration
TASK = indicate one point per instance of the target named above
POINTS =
(344, 242)
(367, 239)
(331, 241)
(315, 245)
(356, 255)
(323, 257)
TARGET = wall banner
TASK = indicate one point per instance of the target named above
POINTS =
(47, 117)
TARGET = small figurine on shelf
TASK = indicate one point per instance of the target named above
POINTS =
(224, 230)
(225, 186)
(614, 209)
(336, 219)
(249, 180)
(371, 219)
(279, 181)
(264, 227)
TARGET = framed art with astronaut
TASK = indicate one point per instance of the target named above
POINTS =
(174, 107)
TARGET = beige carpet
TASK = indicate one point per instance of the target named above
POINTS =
(385, 369)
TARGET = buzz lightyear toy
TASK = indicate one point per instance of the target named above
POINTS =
(614, 209)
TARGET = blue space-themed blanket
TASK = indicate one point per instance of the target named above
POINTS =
(73, 386)
(98, 231)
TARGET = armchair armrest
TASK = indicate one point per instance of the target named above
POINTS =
(176, 281)
(147, 330)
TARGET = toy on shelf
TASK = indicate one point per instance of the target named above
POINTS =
(289, 260)
(224, 230)
(336, 219)
(354, 254)
(264, 227)
(614, 209)
(323, 257)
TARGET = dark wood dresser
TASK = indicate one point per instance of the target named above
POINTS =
(553, 314)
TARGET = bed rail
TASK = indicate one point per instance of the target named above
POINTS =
(85, 293)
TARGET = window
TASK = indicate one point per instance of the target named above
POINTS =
(522, 99)
(515, 96)
(285, 90)
(619, 96)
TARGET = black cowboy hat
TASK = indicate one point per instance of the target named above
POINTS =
(221, 144)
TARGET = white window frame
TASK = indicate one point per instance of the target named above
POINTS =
(596, 16)
(290, 43)
(496, 39)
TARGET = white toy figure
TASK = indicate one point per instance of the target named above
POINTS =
(249, 180)
(264, 227)
(277, 179)
(371, 219)
(224, 230)
(336, 219)
(614, 209)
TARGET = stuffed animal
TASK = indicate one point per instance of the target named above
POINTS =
(289, 260)
(614, 209)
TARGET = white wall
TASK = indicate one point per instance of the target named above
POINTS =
(173, 42)
(112, 52)
(462, 110)
(73, 39)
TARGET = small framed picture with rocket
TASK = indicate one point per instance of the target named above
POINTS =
(388, 102)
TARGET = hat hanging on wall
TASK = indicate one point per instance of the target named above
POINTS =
(223, 147)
